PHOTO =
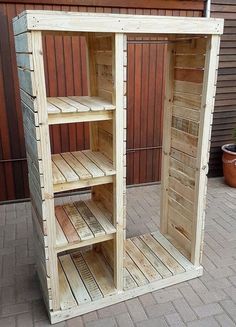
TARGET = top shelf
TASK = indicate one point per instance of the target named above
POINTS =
(62, 110)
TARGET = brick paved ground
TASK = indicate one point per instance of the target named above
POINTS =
(207, 301)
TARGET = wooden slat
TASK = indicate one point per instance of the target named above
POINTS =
(78, 222)
(66, 225)
(101, 161)
(90, 166)
(101, 215)
(76, 284)
(25, 61)
(86, 276)
(186, 264)
(60, 236)
(189, 61)
(58, 178)
(184, 142)
(90, 219)
(163, 255)
(141, 261)
(66, 170)
(152, 257)
(129, 282)
(76, 104)
(181, 200)
(87, 101)
(188, 87)
(100, 271)
(80, 170)
(190, 114)
(23, 43)
(134, 271)
(28, 83)
(67, 300)
(78, 117)
(63, 106)
(191, 101)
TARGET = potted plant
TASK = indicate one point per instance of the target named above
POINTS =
(229, 162)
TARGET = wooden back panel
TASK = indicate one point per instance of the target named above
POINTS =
(181, 135)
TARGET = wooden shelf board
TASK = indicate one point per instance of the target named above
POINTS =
(78, 109)
(82, 223)
(151, 263)
(79, 169)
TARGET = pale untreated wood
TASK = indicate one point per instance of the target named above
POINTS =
(106, 269)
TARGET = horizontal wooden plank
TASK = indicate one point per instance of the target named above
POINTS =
(183, 112)
(103, 57)
(24, 61)
(27, 81)
(187, 87)
(189, 61)
(188, 75)
(194, 46)
(184, 142)
(23, 43)
(78, 117)
(90, 22)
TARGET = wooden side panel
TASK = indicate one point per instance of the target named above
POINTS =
(183, 111)
(205, 125)
(36, 132)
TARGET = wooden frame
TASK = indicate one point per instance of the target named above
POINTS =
(114, 269)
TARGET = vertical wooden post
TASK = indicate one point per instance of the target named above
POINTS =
(41, 104)
(166, 144)
(207, 107)
(118, 127)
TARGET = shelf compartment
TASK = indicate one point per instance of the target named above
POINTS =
(84, 277)
(82, 223)
(62, 110)
(151, 263)
(79, 169)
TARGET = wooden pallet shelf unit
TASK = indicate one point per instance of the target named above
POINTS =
(84, 261)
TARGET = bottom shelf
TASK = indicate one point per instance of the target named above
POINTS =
(86, 279)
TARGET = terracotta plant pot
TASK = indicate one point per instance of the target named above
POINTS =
(229, 164)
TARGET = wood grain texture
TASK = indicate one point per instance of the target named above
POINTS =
(62, 79)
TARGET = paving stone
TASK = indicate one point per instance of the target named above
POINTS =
(207, 322)
(167, 295)
(124, 319)
(160, 309)
(184, 310)
(211, 297)
(191, 297)
(112, 309)
(106, 322)
(147, 299)
(160, 322)
(15, 309)
(224, 320)
(230, 308)
(75, 322)
(24, 320)
(174, 320)
(90, 316)
(136, 310)
(8, 322)
(208, 310)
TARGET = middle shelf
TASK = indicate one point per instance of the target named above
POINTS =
(72, 170)
(82, 223)
(74, 109)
